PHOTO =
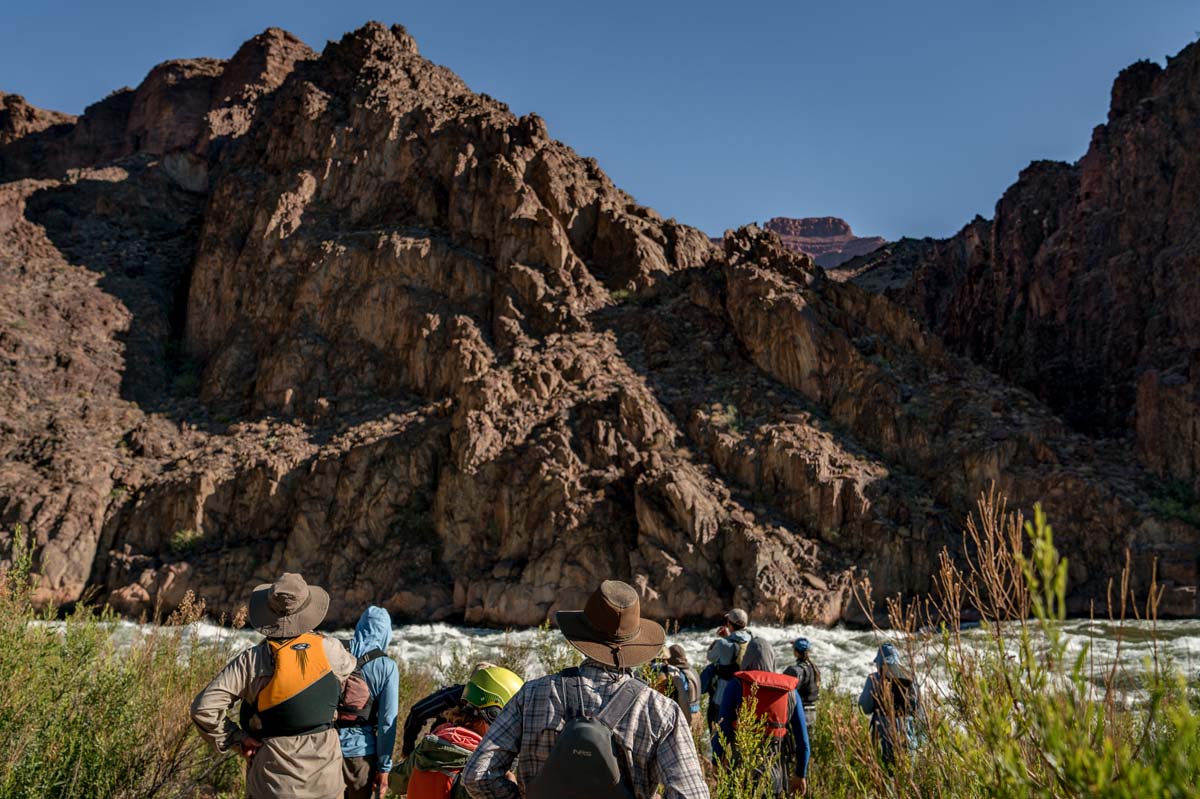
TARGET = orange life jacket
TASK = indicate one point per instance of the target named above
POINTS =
(770, 693)
(302, 694)
(437, 784)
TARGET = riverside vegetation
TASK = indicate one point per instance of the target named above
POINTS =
(1012, 710)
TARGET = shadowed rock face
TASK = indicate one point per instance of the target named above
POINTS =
(339, 314)
(1085, 288)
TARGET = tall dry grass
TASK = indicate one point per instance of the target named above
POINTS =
(1012, 710)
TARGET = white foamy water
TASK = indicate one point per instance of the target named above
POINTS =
(844, 655)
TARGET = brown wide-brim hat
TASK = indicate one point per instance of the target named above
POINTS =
(677, 657)
(288, 607)
(610, 629)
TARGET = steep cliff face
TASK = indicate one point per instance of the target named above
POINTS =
(1085, 286)
(339, 314)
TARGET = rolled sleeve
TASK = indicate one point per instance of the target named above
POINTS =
(209, 708)
(486, 774)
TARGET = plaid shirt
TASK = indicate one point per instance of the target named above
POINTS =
(654, 731)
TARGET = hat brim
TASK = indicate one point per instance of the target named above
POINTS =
(272, 625)
(642, 648)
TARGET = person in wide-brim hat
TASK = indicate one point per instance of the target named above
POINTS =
(296, 750)
(288, 607)
(610, 628)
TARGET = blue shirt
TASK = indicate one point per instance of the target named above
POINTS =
(374, 631)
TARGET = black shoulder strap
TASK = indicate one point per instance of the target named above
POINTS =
(622, 701)
(572, 693)
(367, 657)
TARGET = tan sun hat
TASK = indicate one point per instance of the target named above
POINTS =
(610, 629)
(288, 607)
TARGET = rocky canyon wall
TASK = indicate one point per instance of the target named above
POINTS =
(1085, 287)
(337, 313)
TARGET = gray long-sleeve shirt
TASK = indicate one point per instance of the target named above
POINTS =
(287, 767)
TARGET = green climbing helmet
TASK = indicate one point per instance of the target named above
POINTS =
(491, 687)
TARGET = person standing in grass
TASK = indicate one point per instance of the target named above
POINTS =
(367, 729)
(680, 682)
(289, 685)
(433, 770)
(777, 703)
(808, 678)
(892, 699)
(594, 731)
(725, 658)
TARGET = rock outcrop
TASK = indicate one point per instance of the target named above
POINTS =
(18, 118)
(1085, 286)
(337, 313)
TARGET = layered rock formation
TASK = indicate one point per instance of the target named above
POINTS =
(339, 314)
(829, 240)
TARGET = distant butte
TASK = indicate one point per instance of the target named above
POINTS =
(827, 239)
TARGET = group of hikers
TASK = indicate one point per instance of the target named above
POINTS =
(318, 717)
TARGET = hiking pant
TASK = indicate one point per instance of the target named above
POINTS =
(357, 773)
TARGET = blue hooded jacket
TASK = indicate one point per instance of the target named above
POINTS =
(374, 631)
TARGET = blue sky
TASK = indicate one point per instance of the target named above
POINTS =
(906, 118)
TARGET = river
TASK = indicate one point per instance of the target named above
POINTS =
(843, 654)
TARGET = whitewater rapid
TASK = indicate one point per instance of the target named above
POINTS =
(844, 655)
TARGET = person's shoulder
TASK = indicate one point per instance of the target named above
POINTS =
(658, 703)
(540, 683)
(252, 661)
(331, 642)
(251, 655)
(662, 712)
(337, 652)
(384, 665)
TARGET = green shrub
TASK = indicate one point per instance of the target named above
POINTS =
(184, 541)
(82, 716)
(745, 770)
(1178, 501)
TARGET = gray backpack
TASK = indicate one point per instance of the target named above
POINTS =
(588, 760)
